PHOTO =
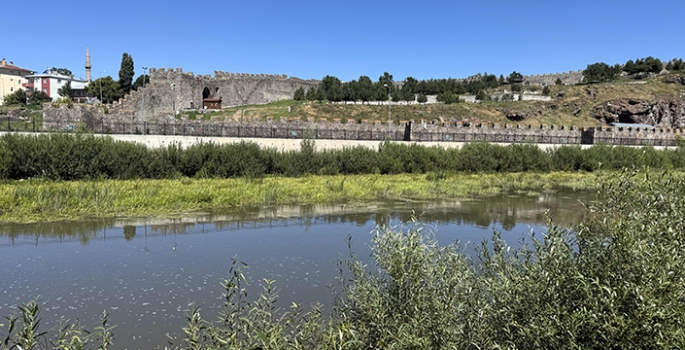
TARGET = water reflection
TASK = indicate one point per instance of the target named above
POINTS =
(146, 271)
(506, 211)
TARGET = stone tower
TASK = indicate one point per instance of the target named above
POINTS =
(88, 66)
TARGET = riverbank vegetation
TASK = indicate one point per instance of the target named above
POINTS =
(64, 176)
(83, 157)
(615, 282)
(44, 200)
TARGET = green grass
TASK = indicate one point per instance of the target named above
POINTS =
(43, 200)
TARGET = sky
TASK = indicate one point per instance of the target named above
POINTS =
(347, 39)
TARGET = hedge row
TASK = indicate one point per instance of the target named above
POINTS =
(82, 156)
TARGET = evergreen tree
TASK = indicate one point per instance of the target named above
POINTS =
(139, 81)
(515, 77)
(299, 94)
(545, 90)
(38, 97)
(62, 71)
(408, 89)
(558, 82)
(331, 88)
(448, 97)
(17, 98)
(66, 90)
(311, 94)
(600, 72)
(126, 73)
(421, 98)
(365, 89)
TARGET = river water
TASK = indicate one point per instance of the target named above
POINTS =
(146, 271)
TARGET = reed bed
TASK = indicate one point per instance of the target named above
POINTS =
(46, 200)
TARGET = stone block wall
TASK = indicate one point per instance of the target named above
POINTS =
(95, 118)
(171, 91)
(637, 136)
(460, 132)
(568, 78)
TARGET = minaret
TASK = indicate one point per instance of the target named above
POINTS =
(88, 66)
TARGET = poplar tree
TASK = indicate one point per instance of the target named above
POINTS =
(126, 74)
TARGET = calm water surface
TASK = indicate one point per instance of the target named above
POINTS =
(146, 272)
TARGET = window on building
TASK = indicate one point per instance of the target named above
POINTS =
(59, 81)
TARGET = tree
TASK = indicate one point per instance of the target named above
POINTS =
(545, 90)
(110, 89)
(66, 90)
(676, 64)
(62, 71)
(421, 98)
(515, 77)
(408, 89)
(311, 94)
(17, 98)
(38, 97)
(126, 73)
(482, 96)
(644, 65)
(331, 88)
(139, 81)
(365, 89)
(448, 97)
(386, 78)
(600, 72)
(558, 82)
(299, 94)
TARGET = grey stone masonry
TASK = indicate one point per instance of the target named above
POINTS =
(94, 118)
(171, 91)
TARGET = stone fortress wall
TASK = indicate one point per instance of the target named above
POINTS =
(568, 78)
(94, 118)
(171, 91)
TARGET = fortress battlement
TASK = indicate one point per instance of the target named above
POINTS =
(568, 78)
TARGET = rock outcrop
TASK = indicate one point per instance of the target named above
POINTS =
(675, 79)
(659, 112)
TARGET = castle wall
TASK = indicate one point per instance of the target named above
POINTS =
(174, 90)
(95, 119)
(568, 78)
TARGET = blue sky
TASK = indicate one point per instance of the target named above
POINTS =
(347, 39)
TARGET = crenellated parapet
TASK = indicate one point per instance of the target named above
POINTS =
(123, 120)
(568, 78)
(175, 90)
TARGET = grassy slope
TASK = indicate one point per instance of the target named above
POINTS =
(560, 111)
